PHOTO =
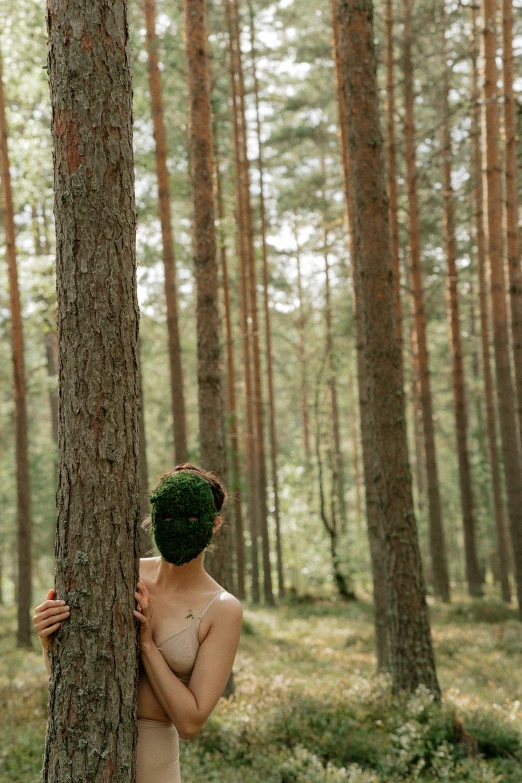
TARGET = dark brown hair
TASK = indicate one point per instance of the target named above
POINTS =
(218, 489)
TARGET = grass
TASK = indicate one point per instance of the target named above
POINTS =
(308, 708)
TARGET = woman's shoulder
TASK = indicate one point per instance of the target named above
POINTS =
(229, 605)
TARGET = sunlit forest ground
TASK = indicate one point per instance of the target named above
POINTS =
(308, 708)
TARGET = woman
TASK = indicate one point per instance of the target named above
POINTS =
(189, 625)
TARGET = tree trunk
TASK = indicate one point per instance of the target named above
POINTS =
(392, 172)
(511, 199)
(330, 522)
(23, 488)
(484, 325)
(332, 384)
(258, 418)
(412, 659)
(473, 574)
(268, 331)
(51, 339)
(146, 544)
(160, 138)
(210, 397)
(92, 726)
(232, 407)
(303, 386)
(505, 396)
(243, 242)
(373, 509)
(437, 542)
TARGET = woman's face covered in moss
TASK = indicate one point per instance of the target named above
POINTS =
(183, 514)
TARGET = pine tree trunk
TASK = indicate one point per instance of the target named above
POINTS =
(243, 242)
(412, 659)
(473, 574)
(51, 339)
(210, 396)
(392, 171)
(303, 386)
(258, 417)
(505, 396)
(232, 407)
(146, 545)
(268, 331)
(373, 510)
(437, 542)
(496, 480)
(160, 138)
(332, 383)
(92, 726)
(23, 488)
(511, 199)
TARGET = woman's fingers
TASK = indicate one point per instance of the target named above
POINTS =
(141, 600)
(41, 625)
(52, 610)
(49, 631)
(141, 617)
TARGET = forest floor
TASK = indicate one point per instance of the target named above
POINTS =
(308, 708)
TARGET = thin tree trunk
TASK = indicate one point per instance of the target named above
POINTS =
(91, 730)
(23, 487)
(258, 417)
(330, 522)
(473, 574)
(496, 480)
(243, 242)
(301, 324)
(268, 331)
(160, 138)
(232, 407)
(412, 659)
(505, 396)
(210, 396)
(332, 384)
(511, 200)
(437, 542)
(420, 456)
(355, 448)
(392, 172)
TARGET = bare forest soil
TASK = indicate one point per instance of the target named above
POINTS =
(308, 708)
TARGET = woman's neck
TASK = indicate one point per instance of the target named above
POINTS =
(183, 577)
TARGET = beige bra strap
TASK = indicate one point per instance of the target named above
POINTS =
(210, 603)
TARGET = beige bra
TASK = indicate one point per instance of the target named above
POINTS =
(180, 649)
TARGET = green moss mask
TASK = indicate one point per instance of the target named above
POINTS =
(183, 514)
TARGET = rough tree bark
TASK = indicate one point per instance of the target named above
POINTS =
(412, 659)
(437, 542)
(373, 509)
(473, 575)
(496, 480)
(146, 545)
(23, 487)
(391, 160)
(505, 396)
(169, 264)
(511, 199)
(92, 726)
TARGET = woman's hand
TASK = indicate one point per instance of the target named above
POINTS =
(49, 616)
(144, 614)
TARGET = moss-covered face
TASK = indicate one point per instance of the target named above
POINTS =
(183, 514)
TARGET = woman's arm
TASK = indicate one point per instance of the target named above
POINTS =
(189, 707)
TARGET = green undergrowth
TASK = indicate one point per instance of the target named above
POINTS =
(308, 707)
